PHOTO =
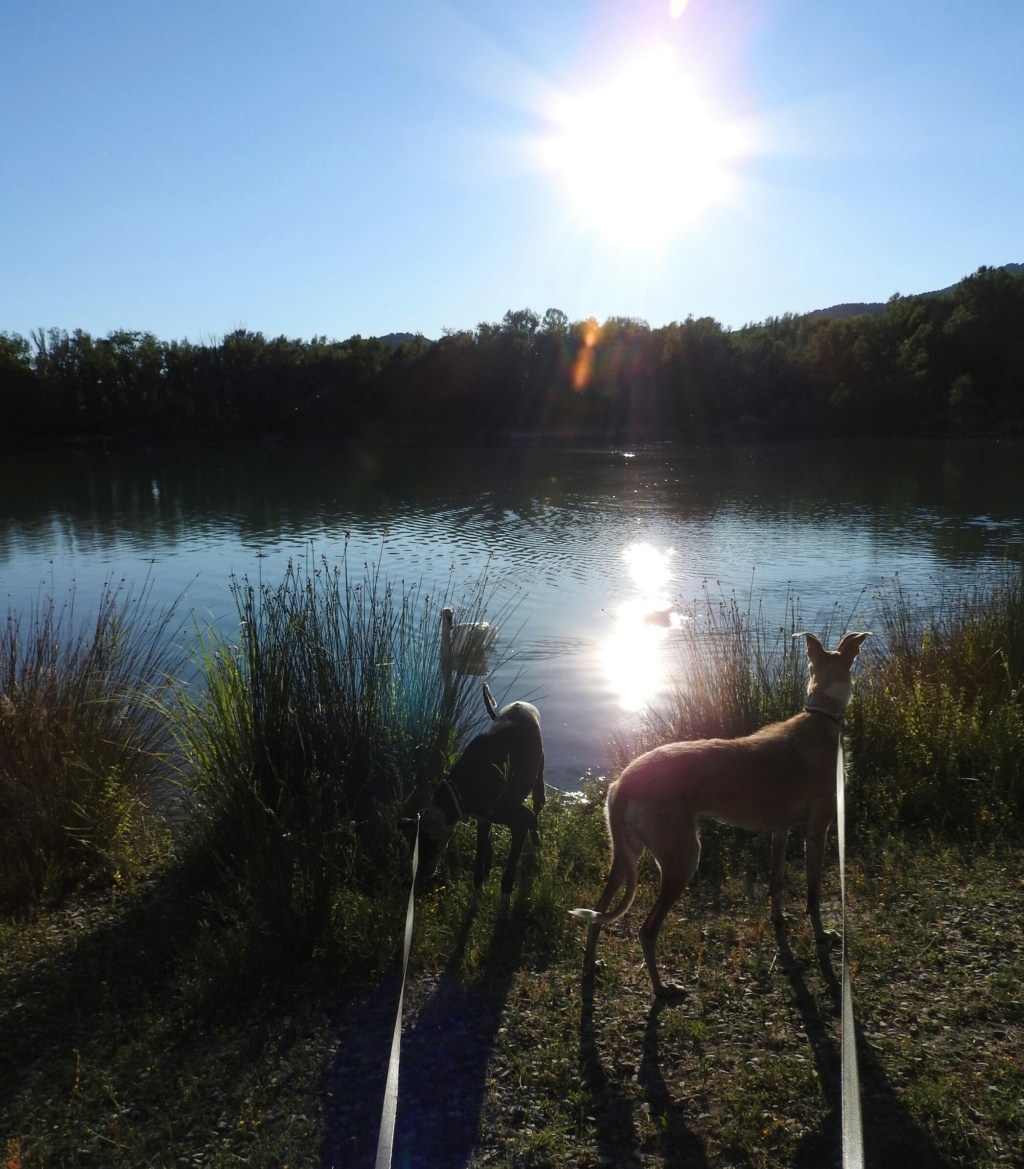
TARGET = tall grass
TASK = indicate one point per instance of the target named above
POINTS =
(938, 725)
(83, 747)
(330, 717)
(732, 672)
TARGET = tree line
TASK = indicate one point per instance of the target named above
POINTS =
(941, 363)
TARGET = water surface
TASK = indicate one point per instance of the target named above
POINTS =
(601, 551)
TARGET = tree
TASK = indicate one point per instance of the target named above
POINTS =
(20, 407)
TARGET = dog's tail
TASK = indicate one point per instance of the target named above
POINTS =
(492, 706)
(626, 853)
(609, 915)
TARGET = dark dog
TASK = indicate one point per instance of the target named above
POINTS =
(490, 781)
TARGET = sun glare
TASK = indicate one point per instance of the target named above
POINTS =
(633, 652)
(642, 157)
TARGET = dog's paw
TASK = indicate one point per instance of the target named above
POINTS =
(670, 991)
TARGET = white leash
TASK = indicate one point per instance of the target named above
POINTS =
(386, 1138)
(852, 1129)
(853, 1136)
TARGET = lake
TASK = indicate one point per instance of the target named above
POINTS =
(599, 552)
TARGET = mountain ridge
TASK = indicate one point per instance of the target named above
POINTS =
(872, 308)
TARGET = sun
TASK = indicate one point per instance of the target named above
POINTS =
(642, 157)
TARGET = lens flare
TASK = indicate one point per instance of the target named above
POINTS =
(584, 363)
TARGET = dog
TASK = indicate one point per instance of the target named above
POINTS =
(779, 777)
(489, 781)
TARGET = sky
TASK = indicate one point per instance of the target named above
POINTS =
(317, 168)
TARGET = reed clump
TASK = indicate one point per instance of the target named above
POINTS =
(84, 764)
(938, 722)
(329, 718)
(731, 672)
(936, 728)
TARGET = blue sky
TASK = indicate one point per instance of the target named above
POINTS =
(313, 168)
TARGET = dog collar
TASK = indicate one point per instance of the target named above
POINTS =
(453, 791)
(819, 704)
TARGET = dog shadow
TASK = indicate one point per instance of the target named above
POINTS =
(891, 1137)
(615, 1113)
(445, 1055)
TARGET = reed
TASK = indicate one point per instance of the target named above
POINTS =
(329, 718)
(936, 729)
(732, 671)
(84, 761)
(938, 723)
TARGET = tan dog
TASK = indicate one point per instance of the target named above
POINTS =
(779, 777)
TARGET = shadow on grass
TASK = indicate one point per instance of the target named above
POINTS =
(110, 974)
(679, 1145)
(112, 1041)
(612, 1109)
(445, 1055)
(891, 1138)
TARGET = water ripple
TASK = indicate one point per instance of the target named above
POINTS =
(548, 528)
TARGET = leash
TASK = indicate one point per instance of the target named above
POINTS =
(852, 1127)
(386, 1138)
(853, 1136)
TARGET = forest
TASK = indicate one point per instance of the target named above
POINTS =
(932, 364)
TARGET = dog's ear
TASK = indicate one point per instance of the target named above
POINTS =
(849, 647)
(815, 650)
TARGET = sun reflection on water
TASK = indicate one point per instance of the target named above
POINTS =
(633, 653)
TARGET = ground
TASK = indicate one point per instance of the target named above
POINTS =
(526, 1066)
(132, 1033)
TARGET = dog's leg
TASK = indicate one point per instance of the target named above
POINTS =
(779, 842)
(537, 797)
(672, 886)
(521, 821)
(484, 856)
(676, 873)
(816, 833)
(617, 877)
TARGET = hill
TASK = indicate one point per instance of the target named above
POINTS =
(395, 339)
(871, 308)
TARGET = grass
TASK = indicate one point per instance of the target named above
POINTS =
(139, 1031)
(84, 751)
(236, 1003)
(938, 725)
(330, 718)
